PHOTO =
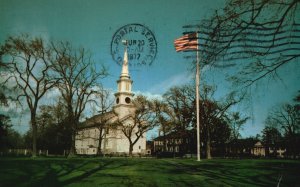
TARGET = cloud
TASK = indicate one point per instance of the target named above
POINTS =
(19, 115)
(52, 94)
(149, 95)
(41, 31)
(175, 80)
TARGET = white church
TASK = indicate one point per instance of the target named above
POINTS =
(114, 141)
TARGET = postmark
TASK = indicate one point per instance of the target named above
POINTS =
(141, 45)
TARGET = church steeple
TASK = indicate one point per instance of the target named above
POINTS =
(125, 72)
(124, 94)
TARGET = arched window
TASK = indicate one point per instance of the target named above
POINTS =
(127, 100)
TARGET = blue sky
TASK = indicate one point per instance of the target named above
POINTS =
(92, 24)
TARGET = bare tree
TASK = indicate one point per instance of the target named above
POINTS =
(236, 121)
(164, 119)
(100, 122)
(260, 36)
(29, 66)
(271, 138)
(103, 104)
(143, 120)
(212, 113)
(181, 102)
(287, 118)
(182, 112)
(53, 134)
(78, 80)
(3, 69)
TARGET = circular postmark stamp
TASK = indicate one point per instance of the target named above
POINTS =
(141, 45)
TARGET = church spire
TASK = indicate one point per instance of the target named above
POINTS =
(124, 94)
(125, 72)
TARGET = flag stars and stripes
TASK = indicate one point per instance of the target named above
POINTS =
(186, 42)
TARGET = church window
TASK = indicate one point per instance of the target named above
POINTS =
(107, 144)
(117, 100)
(127, 100)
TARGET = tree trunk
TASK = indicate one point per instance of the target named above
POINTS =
(34, 137)
(208, 146)
(267, 149)
(99, 150)
(34, 131)
(72, 148)
(173, 140)
(130, 149)
(74, 122)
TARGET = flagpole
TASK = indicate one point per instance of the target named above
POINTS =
(184, 43)
(197, 102)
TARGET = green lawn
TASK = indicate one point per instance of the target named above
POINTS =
(146, 172)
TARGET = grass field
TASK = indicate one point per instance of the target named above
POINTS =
(147, 172)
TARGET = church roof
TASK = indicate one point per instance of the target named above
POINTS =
(126, 117)
(107, 117)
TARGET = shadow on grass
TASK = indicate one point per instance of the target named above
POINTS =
(235, 173)
(146, 172)
(86, 173)
(44, 172)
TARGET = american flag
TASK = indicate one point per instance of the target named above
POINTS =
(187, 42)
